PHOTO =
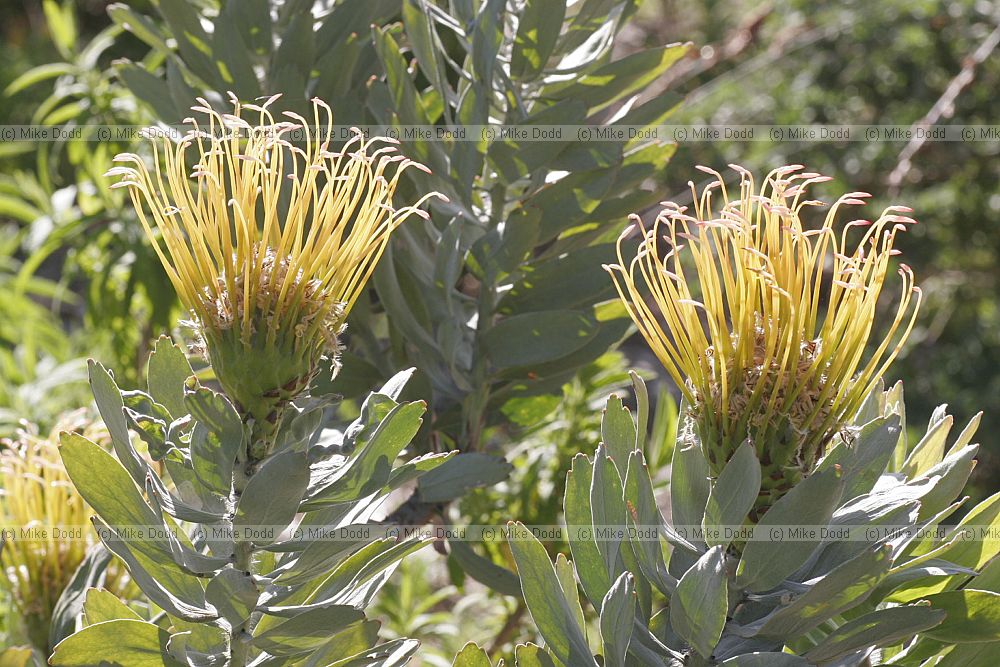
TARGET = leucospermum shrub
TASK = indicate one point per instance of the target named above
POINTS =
(764, 321)
(234, 531)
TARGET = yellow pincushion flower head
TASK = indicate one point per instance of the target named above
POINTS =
(763, 321)
(37, 498)
(268, 238)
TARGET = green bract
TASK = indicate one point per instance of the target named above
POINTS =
(248, 564)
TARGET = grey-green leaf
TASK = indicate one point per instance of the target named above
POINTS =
(618, 431)
(353, 640)
(111, 406)
(699, 605)
(545, 599)
(233, 594)
(865, 458)
(319, 556)
(878, 628)
(69, 607)
(617, 617)
(215, 411)
(644, 514)
(564, 281)
(733, 495)
(166, 371)
(845, 587)
(535, 338)
(306, 631)
(370, 469)
(689, 484)
(484, 570)
(273, 495)
(216, 439)
(607, 503)
(589, 564)
(567, 579)
(764, 659)
(537, 32)
(149, 89)
(163, 582)
(621, 77)
(768, 559)
(461, 473)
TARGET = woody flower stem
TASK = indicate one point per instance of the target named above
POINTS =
(239, 639)
(478, 400)
(486, 307)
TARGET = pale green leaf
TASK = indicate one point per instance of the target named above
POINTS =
(472, 656)
(102, 605)
(972, 616)
(930, 450)
(37, 75)
(119, 643)
(530, 655)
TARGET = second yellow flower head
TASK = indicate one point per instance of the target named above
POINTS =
(763, 322)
